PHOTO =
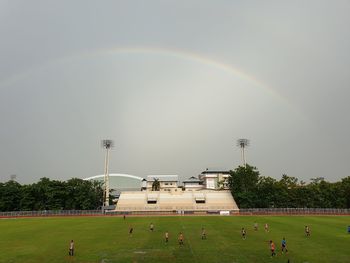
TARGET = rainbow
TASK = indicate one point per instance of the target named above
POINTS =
(169, 52)
(191, 56)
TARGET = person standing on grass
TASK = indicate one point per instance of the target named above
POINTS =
(307, 231)
(243, 233)
(204, 235)
(181, 239)
(124, 216)
(151, 227)
(166, 237)
(284, 245)
(267, 227)
(131, 229)
(71, 248)
(272, 248)
(256, 226)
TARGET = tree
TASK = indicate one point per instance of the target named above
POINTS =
(345, 191)
(51, 195)
(289, 181)
(83, 194)
(243, 185)
(221, 184)
(10, 196)
(156, 185)
(27, 202)
(267, 194)
(286, 191)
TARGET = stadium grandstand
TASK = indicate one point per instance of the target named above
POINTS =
(204, 193)
(204, 200)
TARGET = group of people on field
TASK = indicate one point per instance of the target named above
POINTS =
(271, 243)
(283, 247)
(166, 234)
(204, 236)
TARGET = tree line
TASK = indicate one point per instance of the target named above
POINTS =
(51, 195)
(250, 190)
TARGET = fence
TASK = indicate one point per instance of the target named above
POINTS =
(294, 211)
(248, 211)
(43, 213)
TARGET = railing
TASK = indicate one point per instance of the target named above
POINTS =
(171, 208)
(137, 211)
(294, 211)
(43, 213)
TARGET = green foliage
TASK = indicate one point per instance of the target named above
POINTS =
(156, 185)
(253, 191)
(243, 184)
(10, 196)
(249, 189)
(345, 190)
(50, 195)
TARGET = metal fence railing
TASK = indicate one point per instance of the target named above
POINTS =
(294, 211)
(44, 213)
(247, 211)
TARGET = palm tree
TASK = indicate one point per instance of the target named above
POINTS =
(156, 185)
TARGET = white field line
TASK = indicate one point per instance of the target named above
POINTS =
(189, 243)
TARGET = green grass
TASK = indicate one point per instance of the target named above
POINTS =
(106, 239)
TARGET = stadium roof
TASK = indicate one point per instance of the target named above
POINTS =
(120, 182)
(114, 175)
(192, 179)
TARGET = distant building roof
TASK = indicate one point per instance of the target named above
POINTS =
(192, 179)
(215, 172)
(163, 178)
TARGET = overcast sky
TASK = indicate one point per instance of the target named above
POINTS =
(174, 84)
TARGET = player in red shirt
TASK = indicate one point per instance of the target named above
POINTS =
(272, 248)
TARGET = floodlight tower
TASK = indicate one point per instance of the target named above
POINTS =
(243, 143)
(106, 144)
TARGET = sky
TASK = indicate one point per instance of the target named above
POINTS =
(174, 84)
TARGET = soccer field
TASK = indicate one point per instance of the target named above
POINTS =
(106, 239)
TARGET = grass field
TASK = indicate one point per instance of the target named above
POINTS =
(106, 239)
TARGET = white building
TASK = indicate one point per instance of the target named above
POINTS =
(193, 184)
(215, 180)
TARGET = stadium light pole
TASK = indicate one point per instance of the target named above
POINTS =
(243, 143)
(106, 144)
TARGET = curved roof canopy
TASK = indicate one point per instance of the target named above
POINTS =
(120, 182)
(101, 176)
